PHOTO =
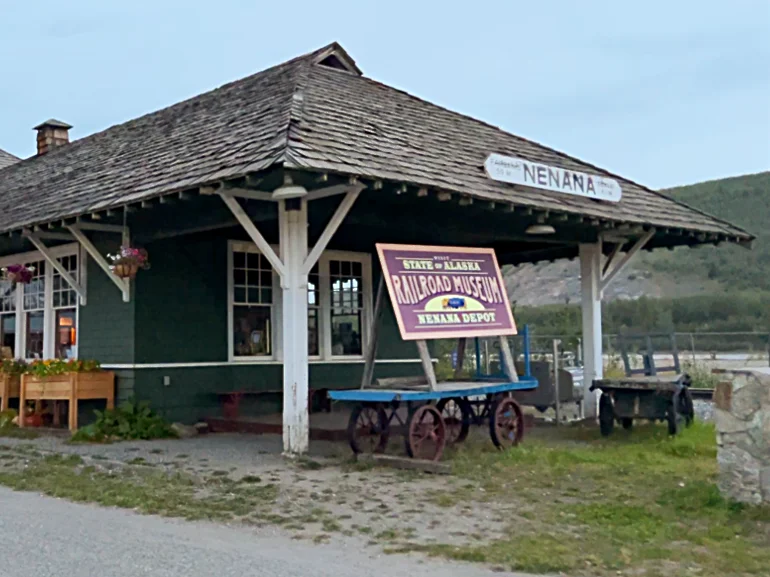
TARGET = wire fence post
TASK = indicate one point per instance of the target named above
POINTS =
(692, 347)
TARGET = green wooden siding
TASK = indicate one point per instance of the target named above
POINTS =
(178, 314)
(106, 329)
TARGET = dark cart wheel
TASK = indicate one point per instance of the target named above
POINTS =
(457, 418)
(674, 417)
(606, 415)
(687, 408)
(368, 429)
(627, 423)
(426, 434)
(506, 424)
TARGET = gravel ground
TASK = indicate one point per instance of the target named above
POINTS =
(44, 536)
(384, 506)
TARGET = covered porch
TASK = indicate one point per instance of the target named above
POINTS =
(262, 248)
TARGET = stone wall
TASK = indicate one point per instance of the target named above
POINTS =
(742, 418)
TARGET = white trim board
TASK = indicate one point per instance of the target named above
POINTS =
(201, 365)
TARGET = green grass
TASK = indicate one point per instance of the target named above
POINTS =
(635, 502)
(138, 488)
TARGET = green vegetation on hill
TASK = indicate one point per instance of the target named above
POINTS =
(742, 200)
(739, 312)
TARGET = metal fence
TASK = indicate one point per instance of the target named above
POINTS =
(699, 353)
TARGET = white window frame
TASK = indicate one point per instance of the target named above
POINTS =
(324, 316)
(49, 313)
(250, 247)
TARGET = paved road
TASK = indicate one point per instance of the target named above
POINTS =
(45, 536)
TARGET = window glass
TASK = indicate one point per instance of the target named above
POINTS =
(252, 305)
(313, 312)
(66, 334)
(8, 332)
(346, 278)
(63, 294)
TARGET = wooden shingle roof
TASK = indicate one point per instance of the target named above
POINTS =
(7, 159)
(316, 112)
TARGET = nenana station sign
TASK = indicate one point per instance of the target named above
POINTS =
(525, 173)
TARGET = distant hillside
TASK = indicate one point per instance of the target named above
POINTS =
(743, 200)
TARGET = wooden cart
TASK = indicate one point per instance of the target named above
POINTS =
(433, 415)
(656, 398)
(645, 393)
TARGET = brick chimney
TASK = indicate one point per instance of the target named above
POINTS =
(50, 134)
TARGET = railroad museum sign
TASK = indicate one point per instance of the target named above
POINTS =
(446, 292)
(517, 171)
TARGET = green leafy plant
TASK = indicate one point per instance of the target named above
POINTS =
(13, 366)
(53, 367)
(7, 417)
(129, 421)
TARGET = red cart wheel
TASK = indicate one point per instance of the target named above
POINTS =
(426, 434)
(457, 418)
(506, 426)
(368, 429)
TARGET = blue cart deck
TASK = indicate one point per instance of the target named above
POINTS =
(423, 393)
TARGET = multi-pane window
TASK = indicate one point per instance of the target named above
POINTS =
(34, 311)
(38, 320)
(313, 313)
(347, 306)
(252, 284)
(338, 301)
(65, 301)
(8, 317)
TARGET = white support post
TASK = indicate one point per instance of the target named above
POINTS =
(256, 236)
(331, 227)
(292, 221)
(54, 262)
(590, 284)
(122, 284)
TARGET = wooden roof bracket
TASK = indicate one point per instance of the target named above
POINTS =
(251, 229)
(123, 284)
(54, 262)
(613, 268)
(352, 192)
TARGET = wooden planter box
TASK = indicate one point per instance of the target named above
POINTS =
(72, 387)
(9, 387)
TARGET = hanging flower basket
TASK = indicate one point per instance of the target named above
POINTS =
(18, 273)
(129, 261)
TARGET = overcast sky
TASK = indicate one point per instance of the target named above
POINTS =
(662, 92)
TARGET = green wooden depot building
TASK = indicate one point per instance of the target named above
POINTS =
(260, 204)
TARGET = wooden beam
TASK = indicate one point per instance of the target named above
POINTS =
(122, 284)
(444, 196)
(427, 363)
(247, 193)
(371, 347)
(335, 222)
(95, 226)
(333, 190)
(611, 259)
(58, 266)
(611, 274)
(50, 235)
(256, 236)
